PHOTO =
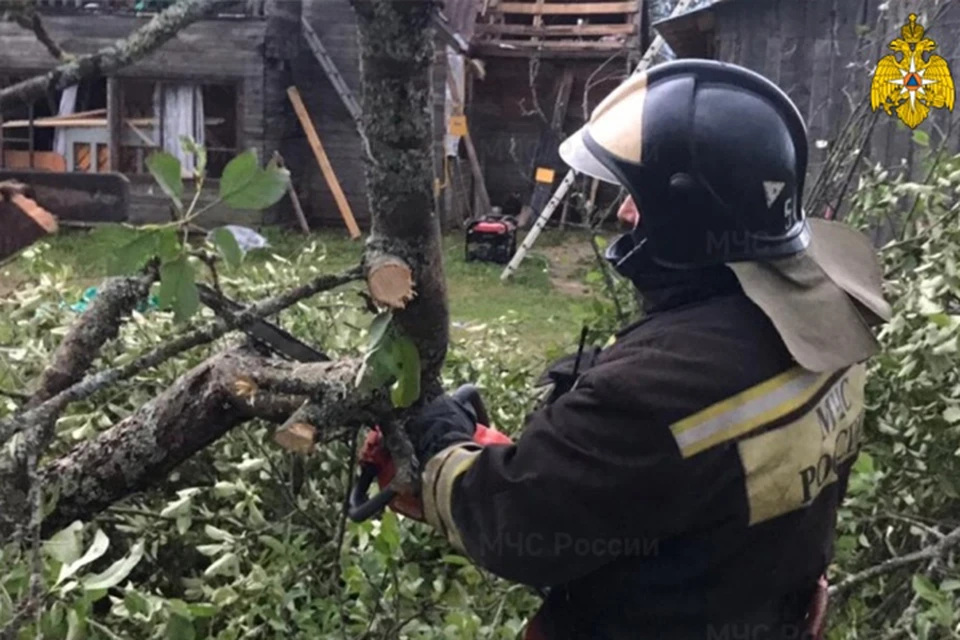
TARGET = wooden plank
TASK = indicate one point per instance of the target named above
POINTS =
(595, 8)
(114, 123)
(42, 160)
(556, 45)
(481, 187)
(557, 29)
(294, 198)
(86, 197)
(505, 50)
(324, 162)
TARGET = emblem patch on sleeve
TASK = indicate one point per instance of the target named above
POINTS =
(786, 468)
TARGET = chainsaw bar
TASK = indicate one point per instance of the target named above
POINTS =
(266, 333)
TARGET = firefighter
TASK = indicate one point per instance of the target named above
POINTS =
(684, 482)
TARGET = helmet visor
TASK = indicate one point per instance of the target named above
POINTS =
(578, 157)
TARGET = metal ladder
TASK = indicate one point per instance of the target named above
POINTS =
(320, 53)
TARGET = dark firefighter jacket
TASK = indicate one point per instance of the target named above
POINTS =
(686, 487)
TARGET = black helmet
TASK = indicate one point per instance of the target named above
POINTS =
(714, 156)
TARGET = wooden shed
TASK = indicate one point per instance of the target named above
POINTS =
(546, 64)
(823, 54)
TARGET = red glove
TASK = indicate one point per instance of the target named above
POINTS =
(375, 455)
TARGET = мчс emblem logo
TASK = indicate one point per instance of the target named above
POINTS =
(912, 85)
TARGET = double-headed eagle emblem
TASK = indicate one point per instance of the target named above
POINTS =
(912, 85)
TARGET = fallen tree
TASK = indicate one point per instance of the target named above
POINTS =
(402, 267)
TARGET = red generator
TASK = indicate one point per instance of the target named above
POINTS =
(491, 239)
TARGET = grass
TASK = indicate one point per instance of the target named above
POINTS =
(549, 317)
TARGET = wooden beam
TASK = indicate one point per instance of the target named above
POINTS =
(294, 198)
(32, 142)
(323, 161)
(508, 50)
(562, 45)
(557, 29)
(562, 101)
(584, 8)
(114, 122)
(479, 183)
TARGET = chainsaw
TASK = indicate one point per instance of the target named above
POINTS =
(376, 464)
(374, 459)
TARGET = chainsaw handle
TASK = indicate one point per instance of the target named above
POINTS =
(359, 507)
(470, 394)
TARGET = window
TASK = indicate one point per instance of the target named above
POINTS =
(205, 113)
(70, 132)
(57, 133)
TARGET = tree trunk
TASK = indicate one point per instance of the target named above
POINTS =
(396, 54)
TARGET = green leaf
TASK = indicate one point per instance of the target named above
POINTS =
(178, 288)
(136, 603)
(407, 359)
(228, 247)
(922, 138)
(76, 626)
(924, 588)
(168, 173)
(189, 145)
(378, 330)
(66, 545)
(244, 185)
(180, 608)
(950, 585)
(864, 463)
(99, 547)
(203, 610)
(179, 628)
(168, 244)
(390, 530)
(117, 572)
(952, 414)
(275, 545)
(177, 508)
(130, 257)
(227, 564)
(217, 534)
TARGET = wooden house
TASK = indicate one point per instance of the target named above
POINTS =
(522, 72)
(823, 54)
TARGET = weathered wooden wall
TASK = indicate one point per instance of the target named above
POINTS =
(823, 53)
(506, 128)
(335, 23)
(210, 51)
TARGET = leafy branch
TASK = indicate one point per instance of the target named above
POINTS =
(244, 185)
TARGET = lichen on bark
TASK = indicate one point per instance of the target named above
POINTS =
(396, 53)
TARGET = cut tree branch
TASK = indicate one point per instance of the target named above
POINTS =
(31, 21)
(98, 325)
(139, 44)
(196, 410)
(52, 408)
(934, 552)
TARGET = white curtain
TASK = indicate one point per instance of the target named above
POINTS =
(455, 69)
(180, 110)
(68, 104)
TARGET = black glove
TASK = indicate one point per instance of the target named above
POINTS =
(444, 422)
